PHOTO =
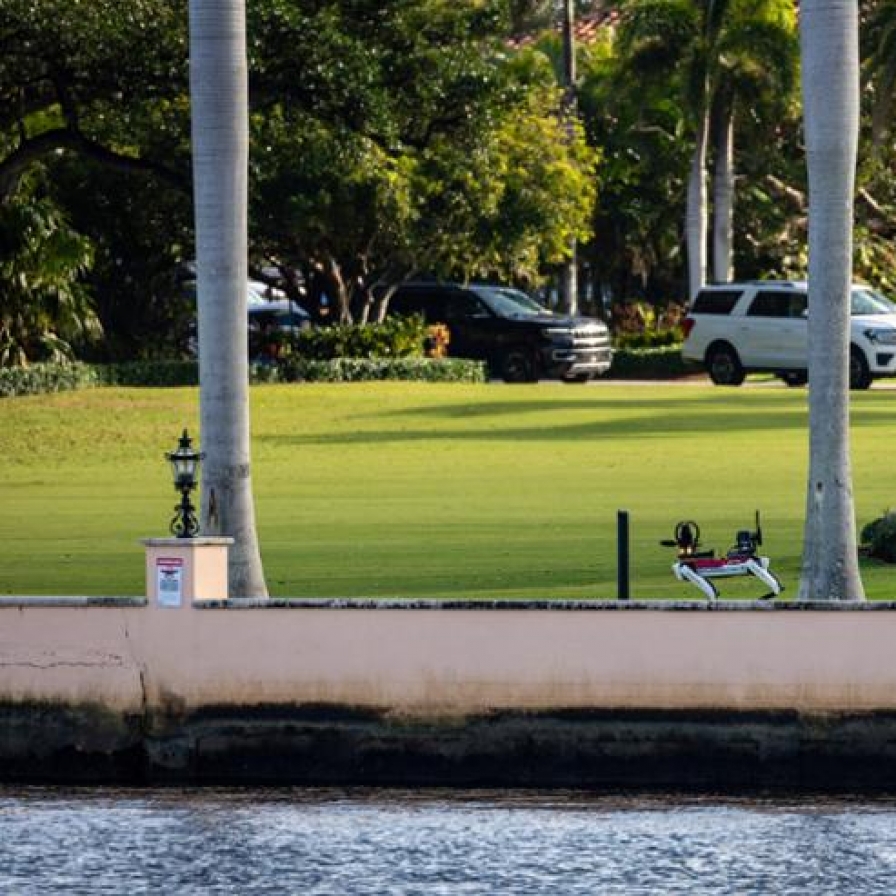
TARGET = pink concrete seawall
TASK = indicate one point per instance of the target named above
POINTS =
(435, 660)
(206, 690)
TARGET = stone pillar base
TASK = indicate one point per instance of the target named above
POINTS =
(181, 571)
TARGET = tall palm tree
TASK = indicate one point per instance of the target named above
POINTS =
(219, 95)
(714, 48)
(663, 38)
(757, 60)
(569, 283)
(830, 73)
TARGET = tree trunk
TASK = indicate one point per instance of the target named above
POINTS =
(695, 220)
(219, 96)
(568, 291)
(343, 294)
(723, 200)
(830, 67)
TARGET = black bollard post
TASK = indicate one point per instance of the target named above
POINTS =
(622, 555)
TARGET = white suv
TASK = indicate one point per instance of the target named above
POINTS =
(736, 328)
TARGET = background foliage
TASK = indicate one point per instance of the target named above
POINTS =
(391, 140)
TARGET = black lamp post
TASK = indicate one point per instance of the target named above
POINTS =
(185, 467)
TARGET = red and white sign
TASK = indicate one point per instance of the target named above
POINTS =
(169, 581)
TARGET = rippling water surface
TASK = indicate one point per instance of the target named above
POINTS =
(398, 843)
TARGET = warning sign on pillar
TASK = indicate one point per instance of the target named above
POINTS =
(169, 581)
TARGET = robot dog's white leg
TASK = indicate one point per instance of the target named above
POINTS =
(765, 575)
(683, 572)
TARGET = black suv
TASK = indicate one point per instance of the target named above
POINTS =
(519, 339)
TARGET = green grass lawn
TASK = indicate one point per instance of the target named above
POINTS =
(431, 490)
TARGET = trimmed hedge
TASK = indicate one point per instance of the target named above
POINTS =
(39, 379)
(650, 364)
(395, 337)
(149, 373)
(353, 370)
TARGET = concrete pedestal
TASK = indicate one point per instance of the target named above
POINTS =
(182, 571)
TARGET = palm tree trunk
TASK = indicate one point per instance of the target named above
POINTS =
(830, 67)
(219, 95)
(569, 279)
(696, 217)
(723, 200)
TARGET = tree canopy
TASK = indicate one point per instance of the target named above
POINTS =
(419, 136)
(385, 139)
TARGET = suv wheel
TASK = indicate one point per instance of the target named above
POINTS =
(859, 374)
(723, 365)
(518, 366)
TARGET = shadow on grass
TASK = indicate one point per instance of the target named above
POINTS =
(723, 412)
(500, 421)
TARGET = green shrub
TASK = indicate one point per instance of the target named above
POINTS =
(42, 378)
(38, 379)
(650, 364)
(396, 337)
(647, 339)
(149, 373)
(879, 538)
(350, 370)
(640, 325)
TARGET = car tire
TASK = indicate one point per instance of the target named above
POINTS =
(518, 366)
(723, 365)
(795, 378)
(859, 372)
(577, 378)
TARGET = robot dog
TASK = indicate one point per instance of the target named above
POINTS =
(698, 567)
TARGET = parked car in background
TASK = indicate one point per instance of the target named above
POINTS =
(518, 338)
(270, 316)
(269, 322)
(737, 328)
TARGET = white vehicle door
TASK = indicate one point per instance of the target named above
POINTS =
(774, 330)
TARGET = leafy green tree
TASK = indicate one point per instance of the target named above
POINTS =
(140, 232)
(70, 81)
(366, 121)
(512, 204)
(80, 108)
(879, 62)
(715, 50)
(411, 126)
(757, 73)
(45, 311)
(638, 127)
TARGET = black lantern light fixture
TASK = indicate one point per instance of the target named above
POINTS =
(185, 469)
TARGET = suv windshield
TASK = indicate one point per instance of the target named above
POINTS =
(507, 302)
(867, 301)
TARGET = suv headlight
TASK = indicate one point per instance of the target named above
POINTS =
(881, 336)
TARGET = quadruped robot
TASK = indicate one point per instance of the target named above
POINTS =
(742, 559)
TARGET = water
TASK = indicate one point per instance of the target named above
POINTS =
(400, 843)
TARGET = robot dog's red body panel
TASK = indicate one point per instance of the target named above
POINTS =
(698, 567)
